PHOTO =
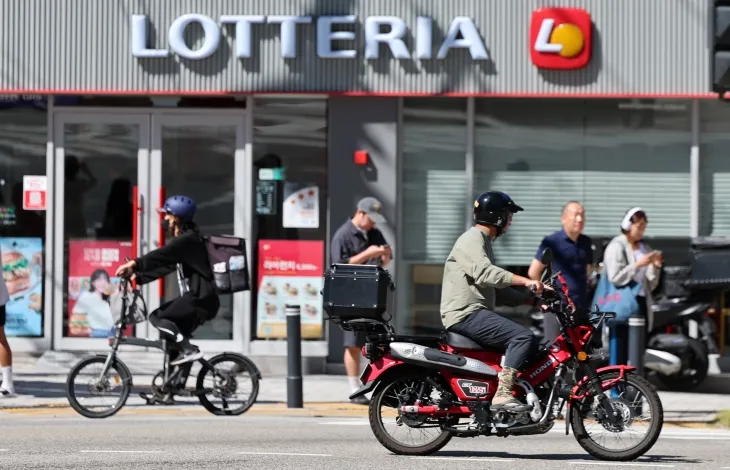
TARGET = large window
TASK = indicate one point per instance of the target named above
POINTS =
(609, 154)
(290, 215)
(23, 136)
(434, 201)
(714, 168)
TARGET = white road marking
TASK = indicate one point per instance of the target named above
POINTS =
(695, 438)
(467, 459)
(623, 464)
(120, 451)
(345, 423)
(3, 450)
(285, 453)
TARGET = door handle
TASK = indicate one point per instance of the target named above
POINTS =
(137, 221)
(161, 237)
(140, 215)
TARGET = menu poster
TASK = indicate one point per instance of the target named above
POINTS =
(22, 260)
(289, 273)
(301, 205)
(266, 197)
(91, 288)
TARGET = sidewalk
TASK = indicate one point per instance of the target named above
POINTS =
(43, 386)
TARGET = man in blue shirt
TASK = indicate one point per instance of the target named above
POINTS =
(572, 256)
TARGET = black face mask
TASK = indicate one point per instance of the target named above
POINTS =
(166, 226)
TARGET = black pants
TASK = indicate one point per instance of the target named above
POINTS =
(179, 318)
(491, 330)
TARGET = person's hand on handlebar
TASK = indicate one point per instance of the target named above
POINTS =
(537, 287)
(126, 270)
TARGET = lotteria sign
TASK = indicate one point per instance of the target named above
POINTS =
(461, 34)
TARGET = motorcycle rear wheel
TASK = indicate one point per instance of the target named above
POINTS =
(378, 400)
(655, 428)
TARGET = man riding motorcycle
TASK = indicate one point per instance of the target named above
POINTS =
(187, 254)
(468, 294)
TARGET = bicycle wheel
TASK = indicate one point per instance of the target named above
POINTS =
(222, 384)
(117, 377)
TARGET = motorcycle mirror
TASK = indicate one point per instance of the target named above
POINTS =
(547, 260)
(547, 256)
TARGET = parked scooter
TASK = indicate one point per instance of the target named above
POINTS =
(680, 361)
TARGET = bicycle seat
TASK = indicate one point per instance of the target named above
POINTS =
(456, 340)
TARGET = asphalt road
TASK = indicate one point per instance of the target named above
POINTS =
(181, 441)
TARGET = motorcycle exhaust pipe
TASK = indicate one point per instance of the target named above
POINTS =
(662, 362)
(423, 356)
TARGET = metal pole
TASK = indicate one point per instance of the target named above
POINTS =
(637, 338)
(614, 351)
(294, 395)
(614, 345)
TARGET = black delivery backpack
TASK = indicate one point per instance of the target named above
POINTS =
(227, 258)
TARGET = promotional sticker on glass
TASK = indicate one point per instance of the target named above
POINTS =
(22, 260)
(92, 291)
(301, 205)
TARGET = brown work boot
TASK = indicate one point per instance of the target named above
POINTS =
(503, 399)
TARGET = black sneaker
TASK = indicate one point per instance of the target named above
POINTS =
(187, 355)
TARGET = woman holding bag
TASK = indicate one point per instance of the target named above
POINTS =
(628, 260)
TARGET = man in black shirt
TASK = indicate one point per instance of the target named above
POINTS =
(357, 241)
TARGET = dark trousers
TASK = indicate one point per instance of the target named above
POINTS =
(492, 330)
(183, 316)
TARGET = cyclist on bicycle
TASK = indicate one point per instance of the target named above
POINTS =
(187, 254)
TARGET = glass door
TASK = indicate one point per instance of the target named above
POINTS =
(100, 160)
(203, 157)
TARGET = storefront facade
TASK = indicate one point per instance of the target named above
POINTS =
(243, 105)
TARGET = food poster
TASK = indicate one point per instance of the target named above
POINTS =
(301, 205)
(92, 291)
(22, 260)
(289, 273)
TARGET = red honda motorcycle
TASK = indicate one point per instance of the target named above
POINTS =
(442, 387)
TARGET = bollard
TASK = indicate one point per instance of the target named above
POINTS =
(294, 395)
(637, 338)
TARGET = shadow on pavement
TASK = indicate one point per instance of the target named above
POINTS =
(40, 388)
(46, 389)
(586, 457)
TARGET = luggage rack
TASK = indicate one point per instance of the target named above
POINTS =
(366, 325)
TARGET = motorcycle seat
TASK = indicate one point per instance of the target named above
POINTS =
(456, 340)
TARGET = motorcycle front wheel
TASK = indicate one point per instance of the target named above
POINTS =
(638, 403)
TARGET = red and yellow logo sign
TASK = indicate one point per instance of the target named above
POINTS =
(560, 38)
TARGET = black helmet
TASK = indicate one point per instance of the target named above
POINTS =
(493, 208)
